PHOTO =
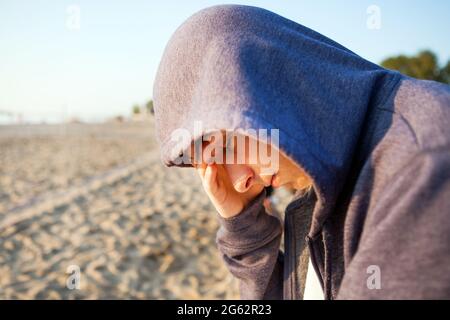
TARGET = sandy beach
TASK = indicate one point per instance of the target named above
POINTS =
(97, 197)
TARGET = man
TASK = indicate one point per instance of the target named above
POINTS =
(367, 149)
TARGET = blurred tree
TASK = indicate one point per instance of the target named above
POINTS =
(136, 109)
(444, 74)
(422, 66)
(149, 107)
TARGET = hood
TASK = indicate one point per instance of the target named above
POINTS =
(240, 67)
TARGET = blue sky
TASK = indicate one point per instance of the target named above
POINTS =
(51, 71)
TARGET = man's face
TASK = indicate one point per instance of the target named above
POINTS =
(247, 170)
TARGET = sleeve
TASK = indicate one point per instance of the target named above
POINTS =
(250, 247)
(404, 251)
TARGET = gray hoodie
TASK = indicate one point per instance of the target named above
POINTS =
(375, 143)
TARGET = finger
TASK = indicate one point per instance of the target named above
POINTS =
(201, 170)
(211, 177)
(223, 176)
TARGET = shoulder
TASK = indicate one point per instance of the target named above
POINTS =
(418, 189)
(425, 107)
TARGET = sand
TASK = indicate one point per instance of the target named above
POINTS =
(97, 197)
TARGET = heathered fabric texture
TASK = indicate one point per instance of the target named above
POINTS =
(375, 143)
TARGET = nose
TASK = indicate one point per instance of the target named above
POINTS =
(242, 177)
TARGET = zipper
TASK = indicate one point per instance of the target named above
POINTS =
(291, 265)
(289, 262)
(312, 256)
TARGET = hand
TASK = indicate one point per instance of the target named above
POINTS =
(227, 201)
